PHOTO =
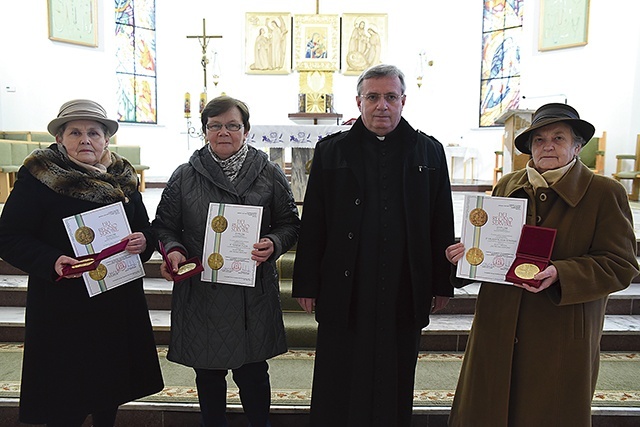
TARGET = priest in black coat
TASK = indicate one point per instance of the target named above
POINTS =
(376, 220)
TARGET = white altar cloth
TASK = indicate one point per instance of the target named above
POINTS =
(466, 153)
(290, 136)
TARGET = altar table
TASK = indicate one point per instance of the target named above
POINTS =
(301, 139)
(293, 136)
(466, 154)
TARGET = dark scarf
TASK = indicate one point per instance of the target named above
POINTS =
(54, 169)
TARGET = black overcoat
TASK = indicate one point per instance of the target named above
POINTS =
(333, 208)
(372, 253)
(81, 354)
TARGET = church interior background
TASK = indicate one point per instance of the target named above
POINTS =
(441, 48)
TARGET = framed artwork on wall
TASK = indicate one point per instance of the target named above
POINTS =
(267, 43)
(563, 24)
(316, 42)
(73, 21)
(364, 41)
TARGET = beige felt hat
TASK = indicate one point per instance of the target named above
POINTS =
(82, 109)
(553, 113)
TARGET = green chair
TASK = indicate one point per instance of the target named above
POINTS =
(592, 154)
(132, 154)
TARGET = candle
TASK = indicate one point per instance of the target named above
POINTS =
(203, 101)
(187, 105)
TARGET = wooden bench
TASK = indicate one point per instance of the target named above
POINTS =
(15, 146)
(132, 153)
(28, 136)
(12, 155)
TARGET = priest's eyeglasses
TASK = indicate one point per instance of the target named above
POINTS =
(231, 127)
(374, 98)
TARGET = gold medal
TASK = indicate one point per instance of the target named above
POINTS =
(83, 263)
(186, 268)
(219, 224)
(478, 217)
(475, 256)
(99, 273)
(84, 235)
(526, 270)
(215, 261)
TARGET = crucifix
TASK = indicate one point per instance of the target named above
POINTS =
(204, 42)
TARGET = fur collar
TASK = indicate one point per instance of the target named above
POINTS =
(55, 170)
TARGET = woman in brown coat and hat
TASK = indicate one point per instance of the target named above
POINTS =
(533, 353)
(82, 355)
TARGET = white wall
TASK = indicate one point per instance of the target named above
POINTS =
(600, 79)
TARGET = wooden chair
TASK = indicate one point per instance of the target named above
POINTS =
(633, 175)
(592, 154)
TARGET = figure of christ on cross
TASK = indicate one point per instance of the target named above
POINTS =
(204, 42)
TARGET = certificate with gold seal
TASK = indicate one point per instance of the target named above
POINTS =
(490, 232)
(231, 232)
(92, 232)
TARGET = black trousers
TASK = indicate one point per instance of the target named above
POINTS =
(255, 394)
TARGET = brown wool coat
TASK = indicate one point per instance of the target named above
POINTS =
(532, 359)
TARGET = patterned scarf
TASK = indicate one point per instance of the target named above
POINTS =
(55, 169)
(232, 165)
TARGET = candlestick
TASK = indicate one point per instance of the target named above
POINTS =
(187, 105)
(203, 101)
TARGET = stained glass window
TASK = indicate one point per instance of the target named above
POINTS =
(136, 60)
(500, 80)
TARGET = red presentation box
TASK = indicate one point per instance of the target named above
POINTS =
(186, 269)
(92, 261)
(534, 252)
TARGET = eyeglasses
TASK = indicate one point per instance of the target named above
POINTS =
(374, 98)
(231, 127)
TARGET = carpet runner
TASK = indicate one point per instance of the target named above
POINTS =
(292, 372)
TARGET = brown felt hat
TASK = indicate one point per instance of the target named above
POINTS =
(82, 109)
(553, 113)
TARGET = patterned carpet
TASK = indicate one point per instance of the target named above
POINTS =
(291, 376)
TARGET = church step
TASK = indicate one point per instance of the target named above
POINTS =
(151, 267)
(13, 291)
(180, 414)
(446, 332)
(158, 291)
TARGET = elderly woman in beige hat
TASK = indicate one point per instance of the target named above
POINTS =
(82, 355)
(533, 352)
